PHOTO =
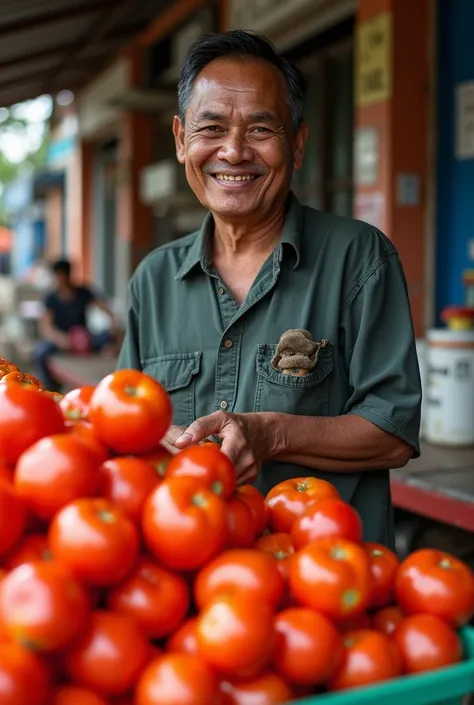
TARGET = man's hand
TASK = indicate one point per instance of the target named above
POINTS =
(173, 433)
(247, 439)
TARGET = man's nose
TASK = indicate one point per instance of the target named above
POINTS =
(235, 148)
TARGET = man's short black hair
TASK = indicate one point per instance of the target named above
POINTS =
(239, 43)
(61, 266)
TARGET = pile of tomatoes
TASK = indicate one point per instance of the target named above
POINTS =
(130, 576)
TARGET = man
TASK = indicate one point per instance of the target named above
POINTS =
(65, 317)
(207, 312)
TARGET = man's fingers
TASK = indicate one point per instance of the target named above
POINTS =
(200, 429)
(173, 433)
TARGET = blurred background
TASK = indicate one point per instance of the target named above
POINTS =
(88, 172)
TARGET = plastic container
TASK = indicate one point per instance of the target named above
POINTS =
(447, 686)
(450, 388)
(458, 317)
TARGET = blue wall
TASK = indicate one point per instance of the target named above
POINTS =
(455, 192)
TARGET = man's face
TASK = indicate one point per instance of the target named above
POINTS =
(237, 143)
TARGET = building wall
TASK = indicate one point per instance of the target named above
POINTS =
(455, 193)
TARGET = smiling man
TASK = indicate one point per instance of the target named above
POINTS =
(281, 330)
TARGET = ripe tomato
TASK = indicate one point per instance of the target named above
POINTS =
(427, 643)
(55, 396)
(308, 646)
(359, 621)
(42, 605)
(241, 527)
(256, 501)
(156, 597)
(109, 655)
(6, 472)
(12, 516)
(184, 523)
(281, 548)
(127, 482)
(387, 619)
(332, 576)
(207, 463)
(26, 415)
(75, 404)
(24, 380)
(368, 657)
(181, 679)
(32, 547)
(235, 635)
(383, 565)
(84, 431)
(184, 638)
(74, 695)
(95, 540)
(130, 412)
(330, 517)
(6, 368)
(265, 689)
(159, 457)
(24, 677)
(437, 583)
(53, 472)
(289, 500)
(251, 574)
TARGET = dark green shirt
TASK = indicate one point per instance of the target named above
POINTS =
(339, 279)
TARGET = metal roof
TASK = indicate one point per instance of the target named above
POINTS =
(50, 45)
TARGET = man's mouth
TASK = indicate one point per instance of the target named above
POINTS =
(235, 177)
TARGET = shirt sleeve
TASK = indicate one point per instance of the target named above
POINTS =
(129, 357)
(381, 356)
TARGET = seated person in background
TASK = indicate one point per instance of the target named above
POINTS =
(64, 325)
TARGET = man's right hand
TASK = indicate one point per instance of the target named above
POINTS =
(172, 434)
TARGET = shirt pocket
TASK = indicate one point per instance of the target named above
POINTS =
(177, 373)
(306, 396)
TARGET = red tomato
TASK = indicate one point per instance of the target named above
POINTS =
(207, 463)
(6, 368)
(53, 472)
(24, 380)
(427, 643)
(256, 501)
(32, 547)
(437, 583)
(387, 619)
(241, 526)
(12, 516)
(291, 498)
(26, 415)
(281, 548)
(109, 655)
(24, 677)
(73, 695)
(184, 638)
(180, 679)
(84, 431)
(55, 396)
(308, 646)
(42, 605)
(236, 636)
(265, 689)
(130, 412)
(127, 482)
(383, 565)
(332, 576)
(328, 518)
(95, 540)
(75, 404)
(156, 597)
(6, 472)
(369, 657)
(184, 523)
(251, 574)
(159, 457)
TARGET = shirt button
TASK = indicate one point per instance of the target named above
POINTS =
(221, 290)
(228, 343)
(224, 404)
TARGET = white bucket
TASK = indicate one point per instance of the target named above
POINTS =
(450, 387)
(421, 351)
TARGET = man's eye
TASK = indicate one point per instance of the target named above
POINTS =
(211, 128)
(261, 129)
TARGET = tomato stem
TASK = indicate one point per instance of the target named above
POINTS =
(130, 391)
(217, 487)
(198, 500)
(445, 563)
(106, 516)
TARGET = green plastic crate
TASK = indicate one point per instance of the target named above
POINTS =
(447, 686)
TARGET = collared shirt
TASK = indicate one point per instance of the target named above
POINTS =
(339, 279)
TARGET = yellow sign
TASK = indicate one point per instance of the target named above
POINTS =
(374, 60)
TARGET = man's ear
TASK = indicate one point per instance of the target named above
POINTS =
(300, 144)
(178, 132)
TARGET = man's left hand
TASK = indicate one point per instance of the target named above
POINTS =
(247, 439)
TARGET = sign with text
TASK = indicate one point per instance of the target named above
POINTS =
(374, 60)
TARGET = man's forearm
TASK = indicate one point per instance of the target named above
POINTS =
(347, 443)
